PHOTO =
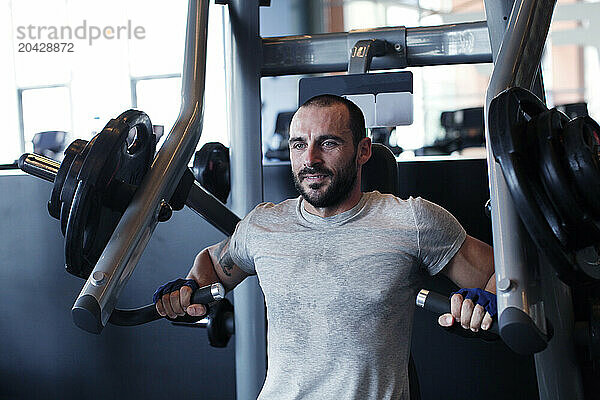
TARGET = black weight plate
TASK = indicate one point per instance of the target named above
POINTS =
(542, 127)
(216, 328)
(575, 229)
(123, 151)
(69, 186)
(85, 243)
(512, 138)
(54, 204)
(582, 146)
(588, 260)
(211, 169)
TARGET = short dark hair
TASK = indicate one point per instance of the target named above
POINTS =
(356, 120)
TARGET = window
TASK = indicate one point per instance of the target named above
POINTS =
(44, 109)
(80, 91)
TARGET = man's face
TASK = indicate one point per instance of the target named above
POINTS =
(323, 155)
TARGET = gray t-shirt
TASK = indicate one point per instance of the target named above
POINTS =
(340, 291)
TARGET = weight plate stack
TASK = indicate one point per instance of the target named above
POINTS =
(582, 148)
(572, 228)
(54, 204)
(119, 156)
(530, 144)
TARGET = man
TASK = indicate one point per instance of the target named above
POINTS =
(340, 268)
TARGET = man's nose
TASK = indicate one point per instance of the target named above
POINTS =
(313, 155)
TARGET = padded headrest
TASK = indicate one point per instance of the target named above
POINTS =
(381, 171)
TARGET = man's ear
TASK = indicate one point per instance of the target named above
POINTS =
(363, 152)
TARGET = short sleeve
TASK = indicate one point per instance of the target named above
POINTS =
(238, 245)
(439, 234)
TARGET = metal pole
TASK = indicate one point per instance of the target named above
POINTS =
(517, 50)
(101, 291)
(512, 275)
(243, 55)
(428, 45)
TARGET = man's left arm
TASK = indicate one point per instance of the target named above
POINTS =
(471, 267)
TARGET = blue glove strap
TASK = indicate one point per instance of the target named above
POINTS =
(173, 286)
(482, 297)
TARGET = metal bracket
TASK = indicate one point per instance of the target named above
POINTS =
(363, 53)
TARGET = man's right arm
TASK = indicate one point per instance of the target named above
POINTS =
(211, 265)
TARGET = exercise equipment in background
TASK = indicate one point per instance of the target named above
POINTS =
(462, 129)
(50, 144)
(278, 148)
(211, 169)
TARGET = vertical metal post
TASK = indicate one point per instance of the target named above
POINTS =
(21, 120)
(516, 51)
(512, 273)
(497, 13)
(243, 62)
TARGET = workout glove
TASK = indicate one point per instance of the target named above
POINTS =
(482, 297)
(173, 286)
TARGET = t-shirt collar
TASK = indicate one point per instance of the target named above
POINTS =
(334, 219)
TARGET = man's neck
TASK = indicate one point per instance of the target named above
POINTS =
(345, 205)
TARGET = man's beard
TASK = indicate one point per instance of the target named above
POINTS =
(339, 188)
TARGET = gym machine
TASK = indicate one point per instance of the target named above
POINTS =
(97, 183)
(523, 196)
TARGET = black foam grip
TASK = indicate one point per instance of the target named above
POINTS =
(142, 315)
(440, 304)
(202, 296)
(437, 303)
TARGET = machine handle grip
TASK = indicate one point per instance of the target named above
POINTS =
(138, 316)
(440, 304)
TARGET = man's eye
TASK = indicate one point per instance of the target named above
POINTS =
(329, 144)
(298, 145)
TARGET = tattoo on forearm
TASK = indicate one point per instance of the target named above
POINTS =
(225, 260)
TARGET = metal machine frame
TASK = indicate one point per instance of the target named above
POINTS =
(512, 40)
